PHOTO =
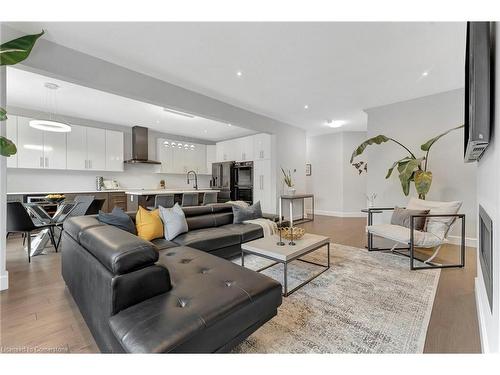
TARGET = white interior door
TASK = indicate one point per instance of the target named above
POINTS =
(114, 151)
(12, 135)
(30, 145)
(54, 150)
(96, 149)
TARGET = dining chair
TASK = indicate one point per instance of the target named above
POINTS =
(164, 200)
(19, 221)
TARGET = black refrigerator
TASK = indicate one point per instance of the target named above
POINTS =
(223, 180)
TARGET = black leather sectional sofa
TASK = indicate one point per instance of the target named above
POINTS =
(167, 296)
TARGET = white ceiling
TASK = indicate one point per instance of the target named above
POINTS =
(337, 69)
(27, 90)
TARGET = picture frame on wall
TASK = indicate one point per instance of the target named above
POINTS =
(308, 170)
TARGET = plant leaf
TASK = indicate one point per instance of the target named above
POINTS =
(389, 172)
(407, 173)
(375, 140)
(7, 147)
(17, 50)
(423, 182)
(3, 114)
(427, 145)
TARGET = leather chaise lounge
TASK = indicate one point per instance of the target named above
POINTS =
(176, 296)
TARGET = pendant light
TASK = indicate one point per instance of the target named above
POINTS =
(51, 124)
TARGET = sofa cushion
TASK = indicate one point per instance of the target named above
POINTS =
(402, 216)
(162, 243)
(209, 295)
(119, 251)
(248, 232)
(208, 239)
(402, 235)
(75, 225)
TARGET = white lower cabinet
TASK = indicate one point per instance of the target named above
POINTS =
(262, 185)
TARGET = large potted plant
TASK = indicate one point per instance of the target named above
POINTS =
(411, 168)
(11, 53)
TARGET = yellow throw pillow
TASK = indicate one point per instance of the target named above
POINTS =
(148, 223)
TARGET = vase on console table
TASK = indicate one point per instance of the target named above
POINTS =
(290, 190)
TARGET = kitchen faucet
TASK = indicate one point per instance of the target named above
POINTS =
(195, 179)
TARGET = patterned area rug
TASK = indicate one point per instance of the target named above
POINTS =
(365, 303)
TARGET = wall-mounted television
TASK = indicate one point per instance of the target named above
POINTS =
(477, 90)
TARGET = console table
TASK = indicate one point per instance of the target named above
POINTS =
(291, 199)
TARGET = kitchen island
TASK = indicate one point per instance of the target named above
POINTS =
(146, 198)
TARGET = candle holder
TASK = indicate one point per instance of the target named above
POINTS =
(280, 242)
(291, 243)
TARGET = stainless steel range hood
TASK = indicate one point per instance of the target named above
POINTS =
(140, 147)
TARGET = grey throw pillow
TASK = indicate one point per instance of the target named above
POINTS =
(174, 221)
(119, 219)
(240, 214)
(401, 216)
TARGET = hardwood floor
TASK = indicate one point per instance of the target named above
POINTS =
(37, 313)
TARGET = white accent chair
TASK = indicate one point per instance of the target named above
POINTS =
(439, 221)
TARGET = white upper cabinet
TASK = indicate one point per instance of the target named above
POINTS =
(83, 148)
(114, 151)
(30, 145)
(54, 150)
(76, 153)
(211, 157)
(179, 157)
(12, 135)
(164, 154)
(200, 159)
(245, 148)
(96, 149)
(262, 146)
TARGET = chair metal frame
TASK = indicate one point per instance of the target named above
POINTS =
(411, 244)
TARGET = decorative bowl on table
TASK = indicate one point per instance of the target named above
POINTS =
(55, 198)
(298, 233)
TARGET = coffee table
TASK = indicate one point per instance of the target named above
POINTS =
(267, 248)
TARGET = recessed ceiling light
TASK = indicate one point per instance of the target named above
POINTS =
(157, 121)
(239, 73)
(205, 131)
(425, 74)
(335, 123)
(306, 107)
(229, 124)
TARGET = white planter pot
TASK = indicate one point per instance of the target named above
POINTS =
(290, 191)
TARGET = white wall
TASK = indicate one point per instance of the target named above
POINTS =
(4, 275)
(412, 123)
(338, 188)
(488, 196)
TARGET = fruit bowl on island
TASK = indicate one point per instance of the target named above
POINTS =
(55, 198)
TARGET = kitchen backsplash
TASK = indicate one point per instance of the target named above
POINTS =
(134, 177)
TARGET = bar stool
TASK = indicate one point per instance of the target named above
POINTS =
(189, 199)
(164, 200)
(209, 197)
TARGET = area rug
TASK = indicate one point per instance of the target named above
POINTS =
(365, 303)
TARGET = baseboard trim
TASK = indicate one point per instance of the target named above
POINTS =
(338, 213)
(480, 317)
(469, 241)
(4, 281)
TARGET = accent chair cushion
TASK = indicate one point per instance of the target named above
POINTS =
(241, 214)
(402, 235)
(174, 221)
(148, 224)
(401, 216)
(438, 226)
(118, 218)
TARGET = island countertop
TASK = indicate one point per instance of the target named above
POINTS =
(169, 191)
